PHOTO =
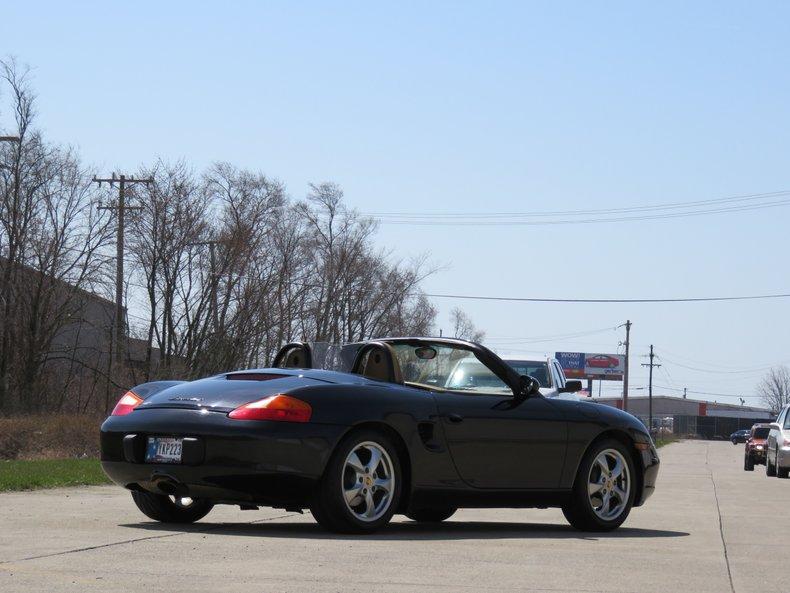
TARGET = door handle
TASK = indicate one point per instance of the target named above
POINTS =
(456, 418)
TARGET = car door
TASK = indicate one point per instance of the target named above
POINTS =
(774, 435)
(500, 441)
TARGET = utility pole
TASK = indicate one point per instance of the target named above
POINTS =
(627, 345)
(120, 208)
(684, 393)
(651, 364)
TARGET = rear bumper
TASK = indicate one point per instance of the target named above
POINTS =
(224, 460)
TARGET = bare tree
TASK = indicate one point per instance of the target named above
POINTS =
(224, 268)
(51, 240)
(774, 388)
(463, 327)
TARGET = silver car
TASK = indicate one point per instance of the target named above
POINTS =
(777, 455)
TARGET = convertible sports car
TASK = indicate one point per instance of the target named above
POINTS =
(419, 426)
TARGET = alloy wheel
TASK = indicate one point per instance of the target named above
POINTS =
(609, 484)
(368, 481)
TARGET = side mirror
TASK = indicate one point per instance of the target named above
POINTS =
(775, 426)
(571, 387)
(528, 386)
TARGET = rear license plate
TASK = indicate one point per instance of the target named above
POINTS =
(163, 450)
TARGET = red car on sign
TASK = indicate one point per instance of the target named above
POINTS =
(602, 361)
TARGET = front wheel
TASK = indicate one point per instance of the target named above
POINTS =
(171, 509)
(435, 515)
(361, 486)
(604, 489)
(748, 463)
(782, 472)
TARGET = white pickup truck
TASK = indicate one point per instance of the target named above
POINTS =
(549, 374)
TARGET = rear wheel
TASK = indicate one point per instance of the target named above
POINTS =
(361, 486)
(748, 463)
(434, 515)
(783, 472)
(604, 490)
(171, 509)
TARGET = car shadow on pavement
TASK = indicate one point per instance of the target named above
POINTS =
(448, 530)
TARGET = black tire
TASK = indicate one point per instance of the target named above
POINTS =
(579, 510)
(329, 507)
(783, 472)
(748, 463)
(435, 515)
(770, 470)
(161, 508)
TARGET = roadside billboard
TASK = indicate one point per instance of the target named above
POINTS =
(584, 365)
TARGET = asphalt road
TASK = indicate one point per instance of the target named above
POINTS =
(709, 527)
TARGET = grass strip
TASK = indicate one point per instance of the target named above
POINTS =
(50, 473)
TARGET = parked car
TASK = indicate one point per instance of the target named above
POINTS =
(356, 447)
(777, 453)
(549, 374)
(739, 436)
(602, 361)
(754, 453)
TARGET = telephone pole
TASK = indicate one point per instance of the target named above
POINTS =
(651, 364)
(120, 209)
(627, 345)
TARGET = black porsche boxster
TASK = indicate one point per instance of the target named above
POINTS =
(419, 426)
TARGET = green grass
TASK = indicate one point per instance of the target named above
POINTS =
(50, 473)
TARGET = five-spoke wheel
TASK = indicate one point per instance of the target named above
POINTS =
(368, 481)
(361, 486)
(609, 484)
(603, 492)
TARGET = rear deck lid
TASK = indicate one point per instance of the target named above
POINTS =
(227, 392)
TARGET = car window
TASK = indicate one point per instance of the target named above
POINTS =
(761, 433)
(780, 418)
(447, 367)
(536, 369)
(787, 419)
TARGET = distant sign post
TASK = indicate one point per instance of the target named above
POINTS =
(601, 367)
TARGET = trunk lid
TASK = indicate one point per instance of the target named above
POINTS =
(227, 392)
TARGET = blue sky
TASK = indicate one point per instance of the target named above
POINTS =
(475, 107)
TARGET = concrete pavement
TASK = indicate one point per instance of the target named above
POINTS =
(709, 527)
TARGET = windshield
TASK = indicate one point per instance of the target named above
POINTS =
(761, 433)
(534, 368)
(447, 367)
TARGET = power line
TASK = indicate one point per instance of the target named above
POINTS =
(626, 300)
(600, 216)
(716, 371)
(665, 206)
(537, 339)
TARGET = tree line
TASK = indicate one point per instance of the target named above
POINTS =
(223, 268)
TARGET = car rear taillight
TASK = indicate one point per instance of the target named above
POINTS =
(787, 442)
(126, 404)
(275, 407)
